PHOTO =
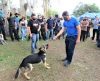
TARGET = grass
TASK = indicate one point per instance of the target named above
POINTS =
(85, 66)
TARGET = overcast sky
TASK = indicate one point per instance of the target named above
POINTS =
(69, 5)
(62, 5)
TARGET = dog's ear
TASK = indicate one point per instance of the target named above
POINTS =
(47, 46)
(40, 48)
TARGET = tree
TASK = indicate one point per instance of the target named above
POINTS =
(52, 12)
(46, 7)
(83, 8)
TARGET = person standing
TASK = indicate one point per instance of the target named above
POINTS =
(23, 25)
(73, 30)
(12, 30)
(95, 28)
(89, 27)
(84, 25)
(33, 30)
(43, 27)
(50, 25)
(17, 23)
(2, 29)
(57, 25)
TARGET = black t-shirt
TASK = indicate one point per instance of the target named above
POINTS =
(34, 25)
(50, 23)
(42, 23)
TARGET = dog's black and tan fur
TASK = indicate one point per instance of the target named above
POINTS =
(33, 59)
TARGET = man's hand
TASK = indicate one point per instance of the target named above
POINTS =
(77, 41)
(55, 37)
(60, 33)
(38, 30)
(30, 35)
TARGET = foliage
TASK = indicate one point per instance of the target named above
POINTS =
(52, 12)
(83, 8)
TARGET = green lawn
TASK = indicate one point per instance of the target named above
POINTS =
(85, 66)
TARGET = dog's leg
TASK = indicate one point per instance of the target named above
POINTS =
(45, 64)
(26, 76)
(30, 67)
(28, 71)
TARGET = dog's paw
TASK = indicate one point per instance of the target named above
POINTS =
(47, 64)
(48, 67)
(28, 78)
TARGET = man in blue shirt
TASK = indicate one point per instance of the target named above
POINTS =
(73, 31)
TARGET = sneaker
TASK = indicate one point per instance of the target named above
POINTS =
(66, 63)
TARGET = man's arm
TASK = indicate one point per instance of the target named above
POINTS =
(39, 28)
(46, 27)
(60, 33)
(79, 33)
(29, 30)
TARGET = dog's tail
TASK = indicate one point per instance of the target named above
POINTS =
(18, 72)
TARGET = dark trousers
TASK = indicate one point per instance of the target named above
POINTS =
(95, 31)
(70, 42)
(83, 35)
(2, 30)
(88, 32)
(13, 34)
(43, 34)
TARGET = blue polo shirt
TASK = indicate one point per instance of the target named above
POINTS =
(71, 26)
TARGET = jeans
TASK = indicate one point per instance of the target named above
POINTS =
(70, 43)
(23, 33)
(49, 34)
(35, 39)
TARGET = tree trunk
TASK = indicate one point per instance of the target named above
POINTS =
(46, 7)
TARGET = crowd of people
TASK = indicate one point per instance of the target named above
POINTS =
(18, 27)
(39, 28)
(49, 27)
(86, 24)
(17, 24)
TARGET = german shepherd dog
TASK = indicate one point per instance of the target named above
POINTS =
(33, 59)
(2, 41)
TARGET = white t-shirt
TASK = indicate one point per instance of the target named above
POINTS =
(23, 23)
